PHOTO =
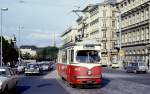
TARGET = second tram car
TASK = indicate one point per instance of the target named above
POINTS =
(80, 65)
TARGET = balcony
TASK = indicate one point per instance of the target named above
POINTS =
(104, 29)
(135, 25)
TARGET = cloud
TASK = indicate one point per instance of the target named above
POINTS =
(43, 35)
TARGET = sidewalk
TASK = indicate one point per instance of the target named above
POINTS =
(123, 70)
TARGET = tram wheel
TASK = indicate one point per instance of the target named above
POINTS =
(72, 85)
(63, 78)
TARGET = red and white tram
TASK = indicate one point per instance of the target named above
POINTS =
(80, 65)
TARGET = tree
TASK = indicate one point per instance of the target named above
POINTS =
(47, 53)
(10, 54)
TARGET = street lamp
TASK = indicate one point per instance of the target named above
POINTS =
(20, 28)
(2, 9)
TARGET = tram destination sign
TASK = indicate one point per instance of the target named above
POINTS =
(89, 46)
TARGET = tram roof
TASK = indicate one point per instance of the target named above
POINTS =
(76, 44)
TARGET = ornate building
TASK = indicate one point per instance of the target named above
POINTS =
(135, 28)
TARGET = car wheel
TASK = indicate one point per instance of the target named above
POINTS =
(145, 71)
(73, 86)
(15, 87)
(127, 71)
(16, 83)
(135, 71)
(5, 90)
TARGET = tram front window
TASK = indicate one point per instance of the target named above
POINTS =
(88, 56)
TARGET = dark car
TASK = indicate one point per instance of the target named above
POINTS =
(137, 67)
(45, 66)
(32, 69)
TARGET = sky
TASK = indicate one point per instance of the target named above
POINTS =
(40, 19)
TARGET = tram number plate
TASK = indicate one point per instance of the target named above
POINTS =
(89, 82)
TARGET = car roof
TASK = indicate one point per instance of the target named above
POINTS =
(4, 68)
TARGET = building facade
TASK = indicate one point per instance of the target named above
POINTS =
(69, 36)
(99, 23)
(135, 30)
(28, 49)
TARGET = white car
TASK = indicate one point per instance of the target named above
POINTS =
(20, 69)
(8, 79)
(115, 65)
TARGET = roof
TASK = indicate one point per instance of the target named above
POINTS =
(91, 7)
(28, 47)
(110, 1)
(79, 19)
(87, 8)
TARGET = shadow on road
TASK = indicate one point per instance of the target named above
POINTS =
(44, 85)
(21, 89)
(104, 83)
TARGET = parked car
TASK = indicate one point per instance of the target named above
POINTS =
(45, 67)
(52, 66)
(32, 69)
(8, 79)
(115, 65)
(137, 67)
(21, 68)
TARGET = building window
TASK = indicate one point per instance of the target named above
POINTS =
(113, 23)
(104, 45)
(104, 34)
(104, 13)
(147, 33)
(147, 13)
(104, 22)
(113, 13)
(95, 32)
(94, 22)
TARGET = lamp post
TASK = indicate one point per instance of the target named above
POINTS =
(20, 28)
(120, 39)
(2, 9)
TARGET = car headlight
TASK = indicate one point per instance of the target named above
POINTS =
(0, 85)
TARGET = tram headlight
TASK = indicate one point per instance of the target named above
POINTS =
(77, 69)
(89, 72)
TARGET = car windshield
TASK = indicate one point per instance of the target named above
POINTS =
(32, 66)
(2, 73)
(142, 64)
(88, 56)
(46, 64)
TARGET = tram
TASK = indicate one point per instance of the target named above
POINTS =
(80, 65)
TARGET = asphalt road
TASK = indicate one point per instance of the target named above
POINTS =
(114, 82)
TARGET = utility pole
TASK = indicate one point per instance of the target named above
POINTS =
(20, 28)
(2, 9)
(120, 39)
(54, 40)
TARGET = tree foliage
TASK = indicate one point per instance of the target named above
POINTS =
(47, 53)
(10, 54)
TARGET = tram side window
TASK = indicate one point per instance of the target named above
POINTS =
(72, 56)
(64, 57)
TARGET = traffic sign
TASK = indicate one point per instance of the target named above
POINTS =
(122, 52)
